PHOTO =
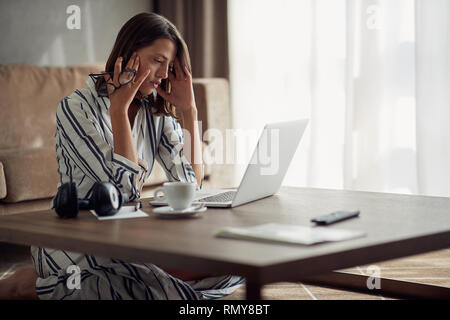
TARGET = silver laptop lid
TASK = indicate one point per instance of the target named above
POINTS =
(270, 161)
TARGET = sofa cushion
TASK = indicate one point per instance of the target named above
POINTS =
(30, 95)
(30, 173)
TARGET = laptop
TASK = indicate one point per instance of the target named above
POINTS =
(265, 171)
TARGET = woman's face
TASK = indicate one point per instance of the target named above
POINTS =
(159, 58)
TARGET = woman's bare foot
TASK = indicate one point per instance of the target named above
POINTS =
(21, 285)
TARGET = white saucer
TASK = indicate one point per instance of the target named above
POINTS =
(168, 212)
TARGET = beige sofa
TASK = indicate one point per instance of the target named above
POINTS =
(29, 98)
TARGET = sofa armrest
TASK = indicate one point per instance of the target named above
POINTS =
(212, 97)
(2, 182)
(30, 173)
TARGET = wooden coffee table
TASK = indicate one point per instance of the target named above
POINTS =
(396, 226)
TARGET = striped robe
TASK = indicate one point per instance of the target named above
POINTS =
(85, 155)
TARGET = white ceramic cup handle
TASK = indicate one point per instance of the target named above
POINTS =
(157, 196)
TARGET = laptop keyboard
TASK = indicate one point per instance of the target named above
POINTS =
(221, 197)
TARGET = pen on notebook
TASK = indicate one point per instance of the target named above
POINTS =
(137, 206)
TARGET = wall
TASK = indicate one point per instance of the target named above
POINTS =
(35, 32)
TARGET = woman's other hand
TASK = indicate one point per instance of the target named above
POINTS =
(182, 93)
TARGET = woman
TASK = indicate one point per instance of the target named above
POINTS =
(113, 130)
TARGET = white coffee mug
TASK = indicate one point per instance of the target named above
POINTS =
(179, 195)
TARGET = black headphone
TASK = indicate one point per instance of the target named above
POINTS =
(106, 200)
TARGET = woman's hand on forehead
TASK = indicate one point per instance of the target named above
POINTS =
(122, 97)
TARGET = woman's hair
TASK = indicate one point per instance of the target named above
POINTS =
(141, 31)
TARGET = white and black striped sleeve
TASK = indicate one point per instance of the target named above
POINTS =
(171, 152)
(80, 142)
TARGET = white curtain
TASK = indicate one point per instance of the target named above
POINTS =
(433, 96)
(372, 76)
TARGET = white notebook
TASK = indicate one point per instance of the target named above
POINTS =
(290, 233)
(125, 212)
